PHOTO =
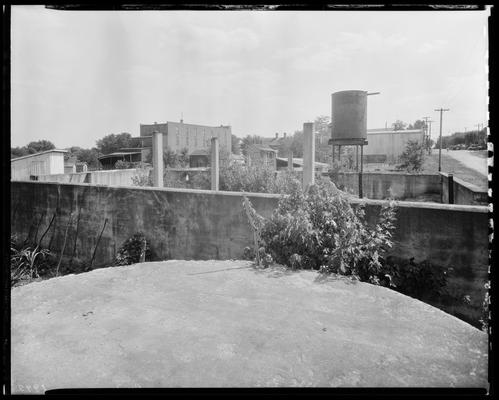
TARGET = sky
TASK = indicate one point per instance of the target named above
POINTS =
(77, 76)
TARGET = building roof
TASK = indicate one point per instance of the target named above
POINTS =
(39, 153)
(299, 161)
(185, 123)
(199, 152)
(118, 154)
(262, 147)
(384, 131)
(130, 149)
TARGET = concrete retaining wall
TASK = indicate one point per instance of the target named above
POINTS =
(199, 224)
(464, 192)
(385, 185)
(115, 177)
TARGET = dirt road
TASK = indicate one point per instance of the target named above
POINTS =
(471, 159)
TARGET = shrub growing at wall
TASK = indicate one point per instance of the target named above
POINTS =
(423, 280)
(321, 230)
(135, 249)
(256, 179)
(143, 177)
(26, 263)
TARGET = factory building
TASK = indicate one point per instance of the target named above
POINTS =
(179, 135)
(389, 143)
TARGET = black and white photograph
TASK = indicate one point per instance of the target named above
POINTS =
(249, 197)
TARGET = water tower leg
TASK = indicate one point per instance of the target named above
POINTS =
(360, 173)
(357, 158)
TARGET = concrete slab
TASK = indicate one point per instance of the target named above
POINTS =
(226, 324)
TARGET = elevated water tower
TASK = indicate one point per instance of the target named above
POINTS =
(349, 124)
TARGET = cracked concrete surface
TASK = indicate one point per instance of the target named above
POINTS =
(227, 324)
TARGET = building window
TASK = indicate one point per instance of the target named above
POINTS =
(177, 136)
(196, 138)
(187, 138)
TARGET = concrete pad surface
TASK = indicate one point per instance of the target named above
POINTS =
(227, 324)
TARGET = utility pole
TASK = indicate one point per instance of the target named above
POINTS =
(441, 110)
(426, 141)
(477, 132)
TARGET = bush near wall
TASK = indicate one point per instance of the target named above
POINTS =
(321, 230)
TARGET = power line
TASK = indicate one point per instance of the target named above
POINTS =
(441, 110)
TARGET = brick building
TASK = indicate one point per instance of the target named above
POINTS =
(179, 135)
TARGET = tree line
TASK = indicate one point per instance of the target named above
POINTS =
(108, 144)
(466, 138)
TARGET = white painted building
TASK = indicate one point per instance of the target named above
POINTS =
(44, 163)
(389, 142)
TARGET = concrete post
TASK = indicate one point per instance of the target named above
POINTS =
(290, 161)
(157, 159)
(215, 167)
(451, 188)
(308, 155)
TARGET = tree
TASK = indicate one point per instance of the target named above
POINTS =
(235, 148)
(399, 125)
(249, 140)
(321, 124)
(170, 158)
(31, 148)
(322, 148)
(111, 143)
(412, 158)
(89, 156)
(297, 144)
(40, 145)
(18, 152)
(183, 157)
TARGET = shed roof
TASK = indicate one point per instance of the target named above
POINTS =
(262, 147)
(39, 153)
(118, 154)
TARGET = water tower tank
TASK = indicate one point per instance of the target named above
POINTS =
(349, 115)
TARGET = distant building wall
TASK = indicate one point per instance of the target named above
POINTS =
(179, 135)
(391, 143)
(48, 162)
(259, 156)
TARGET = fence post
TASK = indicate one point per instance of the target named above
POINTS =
(451, 188)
